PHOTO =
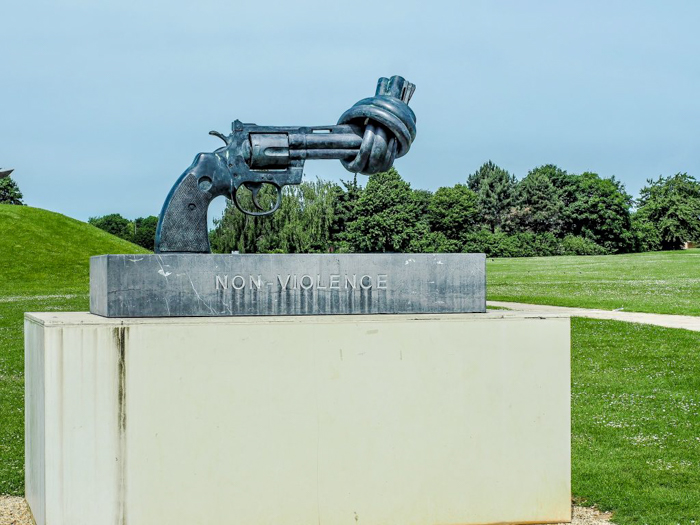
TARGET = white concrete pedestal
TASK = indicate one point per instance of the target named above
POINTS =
(376, 420)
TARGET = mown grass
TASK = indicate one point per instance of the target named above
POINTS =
(44, 266)
(636, 421)
(656, 282)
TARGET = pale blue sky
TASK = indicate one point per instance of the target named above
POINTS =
(104, 104)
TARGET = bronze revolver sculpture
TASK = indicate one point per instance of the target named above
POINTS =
(367, 139)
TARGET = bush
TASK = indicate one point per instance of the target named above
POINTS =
(115, 224)
(500, 244)
(573, 245)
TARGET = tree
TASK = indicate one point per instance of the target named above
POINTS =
(145, 232)
(539, 203)
(601, 212)
(670, 209)
(453, 211)
(560, 179)
(345, 199)
(495, 188)
(390, 216)
(115, 224)
(301, 225)
(9, 191)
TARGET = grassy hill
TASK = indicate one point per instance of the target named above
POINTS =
(44, 265)
(44, 251)
(655, 282)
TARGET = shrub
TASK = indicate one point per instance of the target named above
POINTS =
(573, 245)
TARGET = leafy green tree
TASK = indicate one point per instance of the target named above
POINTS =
(390, 216)
(345, 199)
(301, 225)
(601, 213)
(646, 236)
(496, 191)
(115, 224)
(670, 207)
(452, 212)
(9, 192)
(539, 204)
(560, 179)
(145, 231)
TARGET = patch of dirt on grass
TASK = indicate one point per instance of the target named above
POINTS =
(14, 511)
(589, 516)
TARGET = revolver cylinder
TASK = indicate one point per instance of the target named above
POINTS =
(269, 150)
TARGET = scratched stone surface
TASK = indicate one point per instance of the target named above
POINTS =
(185, 285)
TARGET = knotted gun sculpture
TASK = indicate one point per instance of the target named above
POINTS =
(367, 139)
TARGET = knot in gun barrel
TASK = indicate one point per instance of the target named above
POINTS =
(386, 124)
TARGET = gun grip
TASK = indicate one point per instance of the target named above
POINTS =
(182, 226)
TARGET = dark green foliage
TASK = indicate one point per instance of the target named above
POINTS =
(585, 205)
(453, 211)
(9, 192)
(572, 245)
(496, 190)
(564, 182)
(502, 244)
(390, 216)
(141, 231)
(539, 204)
(646, 235)
(669, 211)
(345, 205)
(600, 212)
(549, 212)
(527, 244)
(114, 224)
(145, 232)
(303, 223)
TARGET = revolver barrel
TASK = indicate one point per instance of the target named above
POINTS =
(275, 150)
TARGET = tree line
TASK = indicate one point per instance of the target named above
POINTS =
(548, 212)
(141, 231)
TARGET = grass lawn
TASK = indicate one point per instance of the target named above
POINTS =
(656, 282)
(636, 421)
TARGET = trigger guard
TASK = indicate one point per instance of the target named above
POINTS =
(259, 213)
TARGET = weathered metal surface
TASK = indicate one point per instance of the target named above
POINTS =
(172, 285)
(367, 139)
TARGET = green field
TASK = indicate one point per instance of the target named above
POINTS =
(635, 388)
(655, 282)
(43, 267)
(636, 421)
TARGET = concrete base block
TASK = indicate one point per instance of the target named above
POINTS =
(377, 420)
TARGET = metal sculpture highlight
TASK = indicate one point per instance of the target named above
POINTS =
(367, 139)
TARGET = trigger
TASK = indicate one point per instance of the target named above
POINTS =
(254, 194)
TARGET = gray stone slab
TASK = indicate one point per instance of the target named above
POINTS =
(177, 285)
